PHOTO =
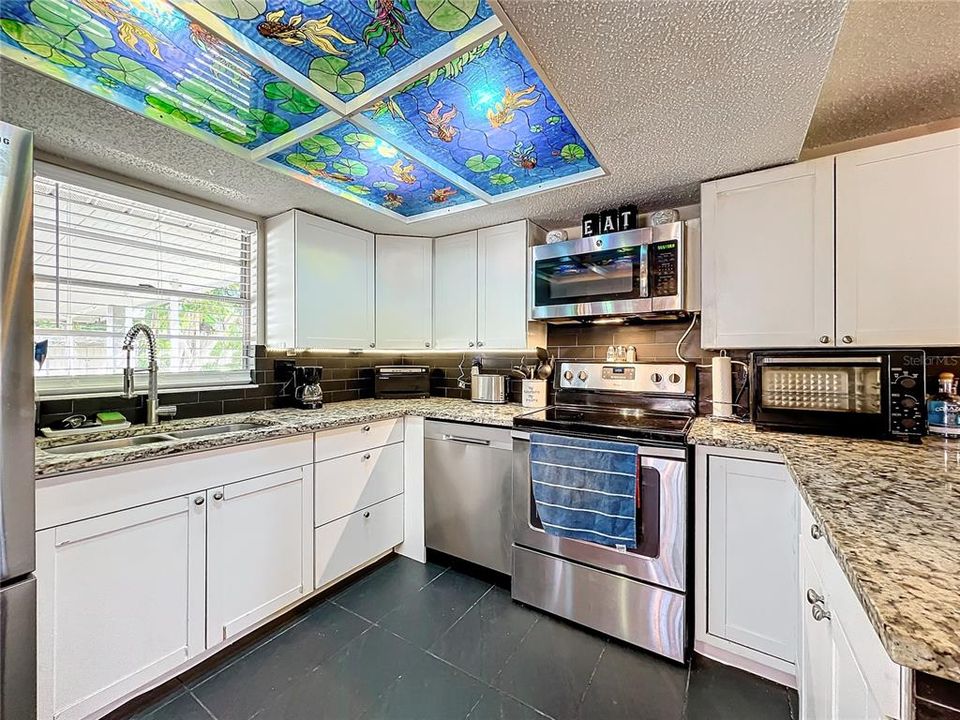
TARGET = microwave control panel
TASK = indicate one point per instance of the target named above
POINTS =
(664, 268)
(907, 393)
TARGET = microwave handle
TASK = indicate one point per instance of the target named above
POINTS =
(872, 360)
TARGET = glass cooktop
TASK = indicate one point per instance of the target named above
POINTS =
(608, 422)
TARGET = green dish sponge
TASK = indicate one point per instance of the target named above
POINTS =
(111, 418)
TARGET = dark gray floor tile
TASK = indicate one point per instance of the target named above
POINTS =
(148, 703)
(427, 689)
(793, 700)
(551, 668)
(386, 587)
(634, 685)
(720, 692)
(483, 639)
(348, 683)
(243, 688)
(183, 707)
(424, 616)
(494, 705)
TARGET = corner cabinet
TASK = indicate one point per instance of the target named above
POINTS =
(320, 283)
(898, 243)
(857, 249)
(480, 289)
(404, 282)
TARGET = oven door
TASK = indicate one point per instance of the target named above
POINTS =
(604, 275)
(660, 556)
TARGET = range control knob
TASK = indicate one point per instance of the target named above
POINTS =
(582, 375)
(674, 378)
(907, 423)
(657, 378)
(568, 376)
(908, 402)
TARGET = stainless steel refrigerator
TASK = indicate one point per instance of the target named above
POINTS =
(18, 586)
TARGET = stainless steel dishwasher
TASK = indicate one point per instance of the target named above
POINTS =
(468, 492)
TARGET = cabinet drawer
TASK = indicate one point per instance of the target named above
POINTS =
(353, 482)
(354, 438)
(346, 544)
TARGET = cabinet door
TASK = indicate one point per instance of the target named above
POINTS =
(502, 286)
(404, 292)
(816, 670)
(767, 254)
(120, 603)
(898, 243)
(259, 549)
(455, 291)
(334, 284)
(752, 556)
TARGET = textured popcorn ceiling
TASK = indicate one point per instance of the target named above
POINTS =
(897, 63)
(669, 93)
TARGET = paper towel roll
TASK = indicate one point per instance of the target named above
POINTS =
(722, 387)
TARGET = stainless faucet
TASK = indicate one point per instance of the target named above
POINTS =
(154, 409)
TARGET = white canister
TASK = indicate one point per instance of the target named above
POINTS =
(534, 393)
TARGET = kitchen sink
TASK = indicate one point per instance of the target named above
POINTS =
(86, 447)
(214, 430)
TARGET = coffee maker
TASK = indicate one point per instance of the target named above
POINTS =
(306, 387)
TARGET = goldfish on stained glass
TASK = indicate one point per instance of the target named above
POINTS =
(296, 31)
(403, 173)
(438, 122)
(441, 195)
(523, 157)
(504, 112)
(129, 29)
(203, 38)
(392, 200)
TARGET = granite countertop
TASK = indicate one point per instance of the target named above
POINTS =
(891, 514)
(271, 424)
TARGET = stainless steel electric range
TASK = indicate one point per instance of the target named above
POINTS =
(638, 594)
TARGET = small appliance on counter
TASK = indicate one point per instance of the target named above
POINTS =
(307, 392)
(401, 382)
(858, 393)
(487, 387)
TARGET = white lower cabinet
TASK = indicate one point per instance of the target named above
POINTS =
(747, 520)
(346, 544)
(259, 549)
(120, 602)
(845, 671)
(352, 482)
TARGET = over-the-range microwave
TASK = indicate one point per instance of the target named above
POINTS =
(644, 272)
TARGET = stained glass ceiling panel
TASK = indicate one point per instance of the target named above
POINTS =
(347, 47)
(488, 117)
(350, 162)
(150, 58)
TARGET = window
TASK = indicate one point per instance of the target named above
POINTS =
(107, 256)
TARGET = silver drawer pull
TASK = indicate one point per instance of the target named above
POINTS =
(813, 597)
(816, 532)
(365, 428)
(366, 456)
(469, 441)
(819, 612)
(218, 495)
(366, 514)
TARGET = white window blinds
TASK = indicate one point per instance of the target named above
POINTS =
(107, 256)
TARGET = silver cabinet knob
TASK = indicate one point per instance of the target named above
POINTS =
(824, 339)
(198, 500)
(813, 597)
(846, 339)
(373, 344)
(479, 343)
(365, 428)
(426, 344)
(819, 612)
(470, 344)
(366, 456)
(218, 495)
(366, 513)
(816, 532)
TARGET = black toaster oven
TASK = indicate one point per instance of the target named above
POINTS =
(401, 381)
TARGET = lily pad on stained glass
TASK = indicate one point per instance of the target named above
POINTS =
(362, 141)
(235, 9)
(448, 15)
(479, 163)
(72, 23)
(331, 74)
(171, 110)
(572, 152)
(42, 42)
(358, 189)
(128, 71)
(306, 162)
(293, 99)
(501, 179)
(354, 168)
(322, 145)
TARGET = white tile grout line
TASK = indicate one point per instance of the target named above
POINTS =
(593, 673)
(205, 708)
(476, 602)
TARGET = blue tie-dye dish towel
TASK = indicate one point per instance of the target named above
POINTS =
(585, 489)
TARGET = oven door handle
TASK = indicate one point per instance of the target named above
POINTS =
(862, 360)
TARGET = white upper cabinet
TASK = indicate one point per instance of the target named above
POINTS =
(320, 283)
(767, 251)
(404, 281)
(455, 291)
(898, 243)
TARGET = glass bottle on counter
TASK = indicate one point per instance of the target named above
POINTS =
(943, 409)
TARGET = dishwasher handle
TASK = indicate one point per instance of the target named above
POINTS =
(468, 441)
